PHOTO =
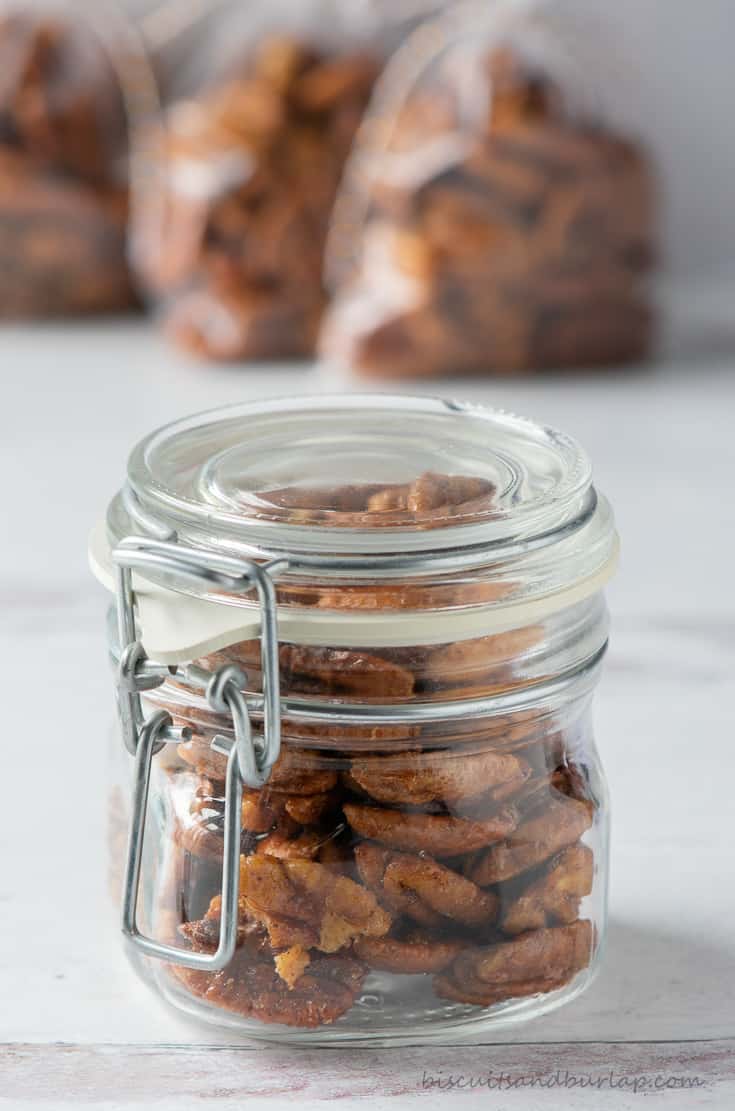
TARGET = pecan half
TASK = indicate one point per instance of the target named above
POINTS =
(301, 902)
(417, 778)
(437, 834)
(424, 889)
(560, 822)
(252, 987)
(412, 953)
(539, 961)
(552, 898)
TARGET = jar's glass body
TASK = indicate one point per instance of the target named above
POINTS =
(426, 846)
(405, 877)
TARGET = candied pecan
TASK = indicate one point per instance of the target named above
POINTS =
(333, 671)
(551, 898)
(424, 889)
(321, 671)
(569, 779)
(562, 779)
(372, 861)
(421, 777)
(538, 961)
(291, 964)
(354, 498)
(399, 596)
(470, 664)
(438, 834)
(414, 952)
(476, 807)
(296, 772)
(303, 846)
(253, 988)
(323, 845)
(308, 809)
(442, 890)
(200, 807)
(303, 902)
(260, 811)
(559, 822)
(424, 503)
(542, 954)
(438, 495)
(443, 494)
(203, 934)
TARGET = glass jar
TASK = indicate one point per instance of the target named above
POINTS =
(357, 640)
(494, 217)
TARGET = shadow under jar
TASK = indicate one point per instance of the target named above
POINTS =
(366, 800)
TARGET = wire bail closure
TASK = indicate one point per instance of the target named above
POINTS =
(249, 757)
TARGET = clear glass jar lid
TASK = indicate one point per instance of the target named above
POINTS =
(384, 474)
(379, 504)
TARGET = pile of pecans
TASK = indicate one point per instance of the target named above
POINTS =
(450, 852)
(63, 201)
(522, 248)
(247, 179)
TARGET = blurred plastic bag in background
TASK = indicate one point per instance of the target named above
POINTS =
(63, 163)
(490, 220)
(244, 169)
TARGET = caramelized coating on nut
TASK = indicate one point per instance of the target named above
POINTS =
(538, 961)
(252, 987)
(291, 964)
(424, 889)
(560, 822)
(301, 902)
(437, 834)
(553, 897)
(414, 953)
(435, 776)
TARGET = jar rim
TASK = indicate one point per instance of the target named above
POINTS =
(217, 478)
(539, 694)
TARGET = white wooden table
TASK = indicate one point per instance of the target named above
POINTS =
(78, 1030)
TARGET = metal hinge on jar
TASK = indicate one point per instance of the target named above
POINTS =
(249, 757)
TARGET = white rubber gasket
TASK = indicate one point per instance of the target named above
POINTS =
(178, 627)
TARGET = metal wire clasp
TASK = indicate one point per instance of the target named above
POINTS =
(249, 758)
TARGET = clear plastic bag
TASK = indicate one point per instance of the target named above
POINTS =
(245, 167)
(63, 163)
(491, 220)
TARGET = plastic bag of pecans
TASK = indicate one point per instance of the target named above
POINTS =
(245, 167)
(491, 221)
(63, 161)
